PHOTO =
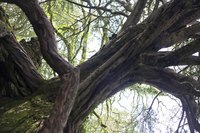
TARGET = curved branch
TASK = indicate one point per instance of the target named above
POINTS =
(45, 33)
(166, 80)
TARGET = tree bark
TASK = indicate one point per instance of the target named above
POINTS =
(132, 57)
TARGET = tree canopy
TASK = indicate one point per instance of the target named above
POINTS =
(59, 59)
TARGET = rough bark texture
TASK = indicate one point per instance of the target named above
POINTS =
(132, 57)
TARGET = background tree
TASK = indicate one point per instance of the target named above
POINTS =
(147, 39)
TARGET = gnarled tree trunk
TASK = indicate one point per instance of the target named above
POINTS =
(132, 57)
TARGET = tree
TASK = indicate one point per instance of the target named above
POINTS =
(132, 56)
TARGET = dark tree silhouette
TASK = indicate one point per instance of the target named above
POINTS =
(131, 57)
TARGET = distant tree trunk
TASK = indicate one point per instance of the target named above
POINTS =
(132, 57)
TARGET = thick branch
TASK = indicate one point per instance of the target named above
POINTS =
(63, 105)
(182, 55)
(45, 33)
(135, 15)
(168, 81)
(167, 39)
(109, 50)
(23, 62)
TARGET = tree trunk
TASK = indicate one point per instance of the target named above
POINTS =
(132, 57)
